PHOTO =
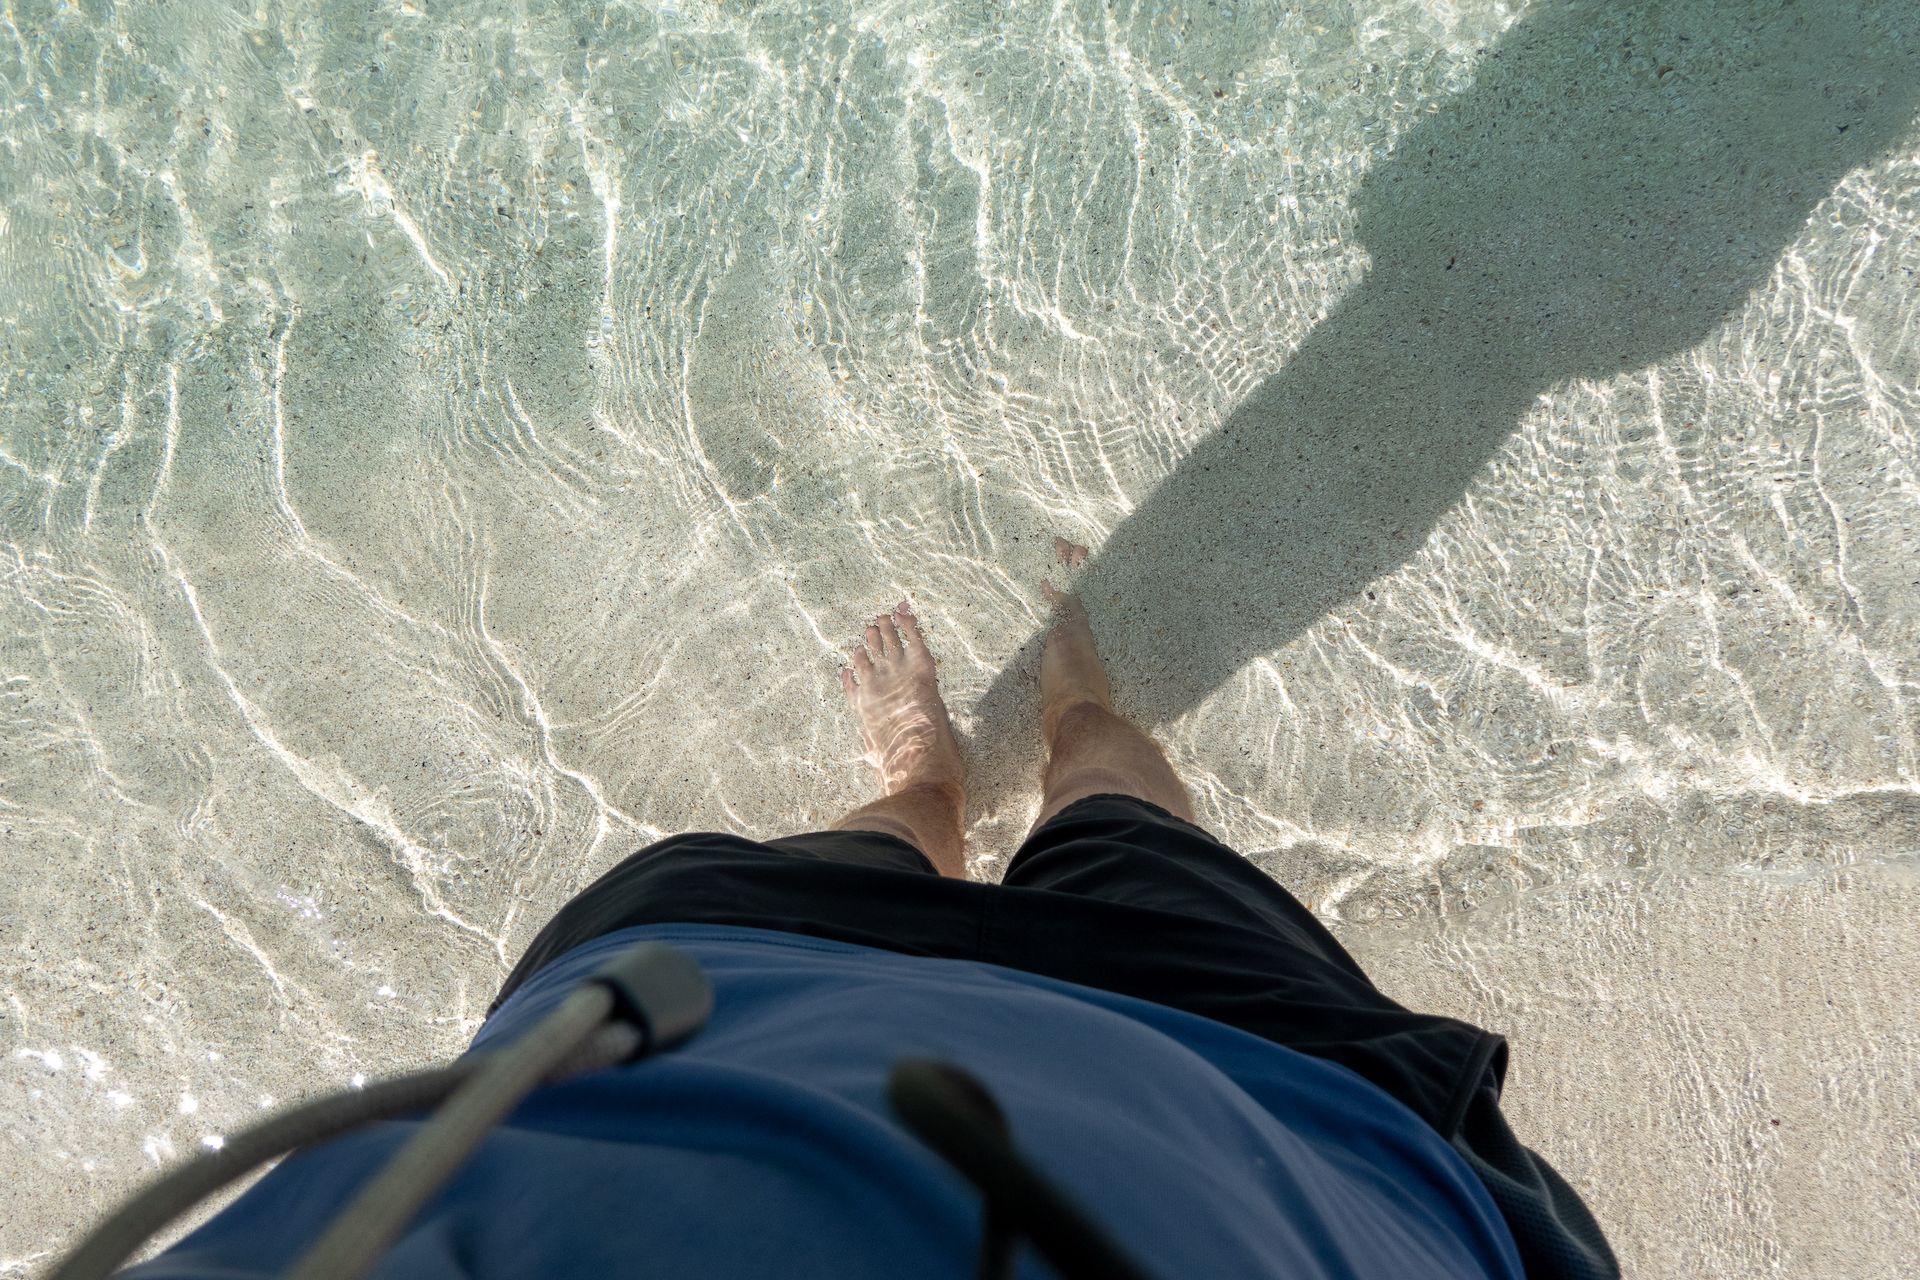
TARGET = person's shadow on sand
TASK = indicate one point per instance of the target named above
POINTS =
(1614, 183)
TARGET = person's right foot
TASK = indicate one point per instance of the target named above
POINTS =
(1071, 673)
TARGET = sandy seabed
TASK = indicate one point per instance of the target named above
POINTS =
(443, 450)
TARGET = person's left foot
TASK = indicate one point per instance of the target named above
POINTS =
(892, 687)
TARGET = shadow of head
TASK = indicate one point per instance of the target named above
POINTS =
(1619, 178)
(1612, 185)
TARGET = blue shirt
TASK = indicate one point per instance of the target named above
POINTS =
(765, 1145)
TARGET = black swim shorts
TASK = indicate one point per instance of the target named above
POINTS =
(1116, 893)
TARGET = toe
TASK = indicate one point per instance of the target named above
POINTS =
(913, 641)
(888, 635)
(875, 641)
(862, 664)
(1066, 604)
(846, 682)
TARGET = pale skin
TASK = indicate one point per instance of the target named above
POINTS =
(893, 687)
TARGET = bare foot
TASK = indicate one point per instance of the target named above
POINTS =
(894, 691)
(1071, 672)
(1091, 749)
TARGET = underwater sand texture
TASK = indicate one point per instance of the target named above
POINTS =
(444, 447)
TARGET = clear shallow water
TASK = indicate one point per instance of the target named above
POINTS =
(445, 449)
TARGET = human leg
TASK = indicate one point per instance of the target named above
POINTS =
(1091, 749)
(894, 690)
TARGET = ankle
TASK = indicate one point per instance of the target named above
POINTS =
(1071, 713)
(939, 787)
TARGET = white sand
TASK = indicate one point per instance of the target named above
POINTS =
(445, 451)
